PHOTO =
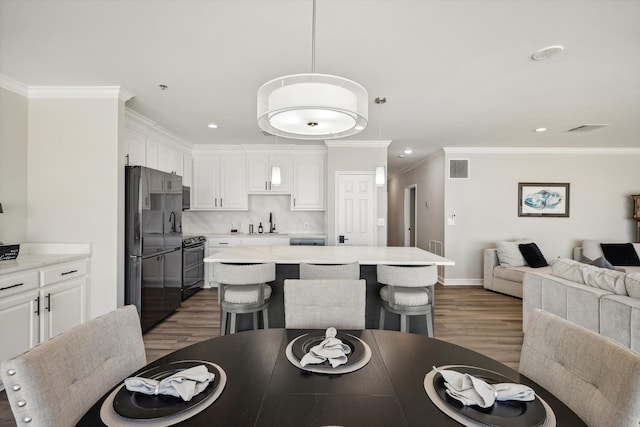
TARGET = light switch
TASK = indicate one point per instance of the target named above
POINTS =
(381, 222)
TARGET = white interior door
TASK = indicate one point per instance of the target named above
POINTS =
(356, 209)
(410, 213)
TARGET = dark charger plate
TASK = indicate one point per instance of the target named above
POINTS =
(303, 344)
(511, 413)
(143, 406)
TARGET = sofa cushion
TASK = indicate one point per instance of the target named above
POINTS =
(568, 269)
(591, 249)
(598, 262)
(620, 253)
(509, 253)
(632, 283)
(603, 278)
(516, 274)
(532, 254)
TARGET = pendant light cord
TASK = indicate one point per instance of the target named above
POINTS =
(313, 39)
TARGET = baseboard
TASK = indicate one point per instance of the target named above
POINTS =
(461, 282)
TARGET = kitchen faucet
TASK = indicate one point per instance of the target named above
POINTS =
(172, 220)
(272, 226)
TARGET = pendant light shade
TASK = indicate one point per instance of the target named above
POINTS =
(276, 175)
(380, 178)
(311, 105)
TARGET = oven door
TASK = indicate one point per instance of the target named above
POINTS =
(192, 266)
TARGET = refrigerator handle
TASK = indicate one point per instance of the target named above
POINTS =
(134, 293)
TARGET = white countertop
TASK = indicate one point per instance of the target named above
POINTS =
(368, 255)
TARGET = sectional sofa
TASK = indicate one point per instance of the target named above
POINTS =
(603, 300)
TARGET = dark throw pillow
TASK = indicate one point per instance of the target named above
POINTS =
(620, 254)
(532, 255)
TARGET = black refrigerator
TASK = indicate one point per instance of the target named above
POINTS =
(153, 243)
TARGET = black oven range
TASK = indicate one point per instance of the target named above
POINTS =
(192, 265)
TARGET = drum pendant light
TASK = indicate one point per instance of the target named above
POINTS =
(312, 106)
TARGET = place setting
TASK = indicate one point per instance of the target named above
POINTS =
(164, 395)
(479, 397)
(328, 352)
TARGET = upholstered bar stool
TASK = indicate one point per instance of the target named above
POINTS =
(349, 271)
(409, 292)
(243, 289)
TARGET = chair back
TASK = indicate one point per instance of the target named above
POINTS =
(349, 271)
(320, 304)
(407, 275)
(244, 274)
(56, 382)
(595, 377)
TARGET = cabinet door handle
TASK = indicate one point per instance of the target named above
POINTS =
(68, 272)
(37, 300)
(48, 306)
(266, 185)
(294, 202)
(12, 286)
(220, 201)
(216, 199)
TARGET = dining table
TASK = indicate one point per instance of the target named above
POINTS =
(389, 381)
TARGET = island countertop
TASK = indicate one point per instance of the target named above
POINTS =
(365, 255)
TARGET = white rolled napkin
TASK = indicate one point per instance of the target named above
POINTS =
(473, 391)
(184, 384)
(331, 349)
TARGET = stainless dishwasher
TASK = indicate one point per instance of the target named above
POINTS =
(307, 241)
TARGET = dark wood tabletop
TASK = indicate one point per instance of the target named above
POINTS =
(264, 389)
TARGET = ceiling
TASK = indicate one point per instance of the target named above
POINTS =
(455, 73)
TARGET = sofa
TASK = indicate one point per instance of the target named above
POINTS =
(505, 266)
(604, 300)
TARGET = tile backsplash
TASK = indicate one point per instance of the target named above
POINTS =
(286, 221)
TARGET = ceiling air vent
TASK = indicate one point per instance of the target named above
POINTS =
(459, 169)
(587, 128)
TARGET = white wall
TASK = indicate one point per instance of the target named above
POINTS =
(355, 156)
(13, 166)
(486, 205)
(75, 190)
(428, 177)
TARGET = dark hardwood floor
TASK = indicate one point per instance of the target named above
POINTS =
(470, 316)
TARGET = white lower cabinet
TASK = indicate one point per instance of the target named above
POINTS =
(39, 303)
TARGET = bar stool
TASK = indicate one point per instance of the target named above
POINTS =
(349, 271)
(243, 289)
(409, 292)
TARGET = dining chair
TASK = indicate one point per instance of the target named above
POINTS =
(349, 271)
(320, 304)
(56, 382)
(243, 289)
(596, 378)
(409, 292)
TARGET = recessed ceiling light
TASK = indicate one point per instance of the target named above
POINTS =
(540, 129)
(212, 126)
(408, 151)
(402, 156)
(547, 52)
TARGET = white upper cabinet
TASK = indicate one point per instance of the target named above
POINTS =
(219, 182)
(136, 146)
(309, 179)
(259, 171)
(170, 160)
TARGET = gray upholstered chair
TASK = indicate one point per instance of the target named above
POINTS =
(409, 292)
(350, 271)
(595, 377)
(56, 382)
(319, 304)
(243, 289)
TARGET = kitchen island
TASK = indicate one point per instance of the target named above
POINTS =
(288, 258)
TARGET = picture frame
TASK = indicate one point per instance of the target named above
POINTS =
(543, 199)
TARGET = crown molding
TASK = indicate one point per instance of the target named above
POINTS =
(538, 150)
(14, 86)
(44, 92)
(412, 166)
(350, 143)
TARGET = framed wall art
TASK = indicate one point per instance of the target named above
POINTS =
(543, 199)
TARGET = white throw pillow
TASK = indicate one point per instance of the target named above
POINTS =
(568, 269)
(632, 282)
(509, 253)
(591, 249)
(604, 278)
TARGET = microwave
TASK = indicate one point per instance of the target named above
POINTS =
(186, 198)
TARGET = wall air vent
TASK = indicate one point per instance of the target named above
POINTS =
(587, 128)
(459, 169)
